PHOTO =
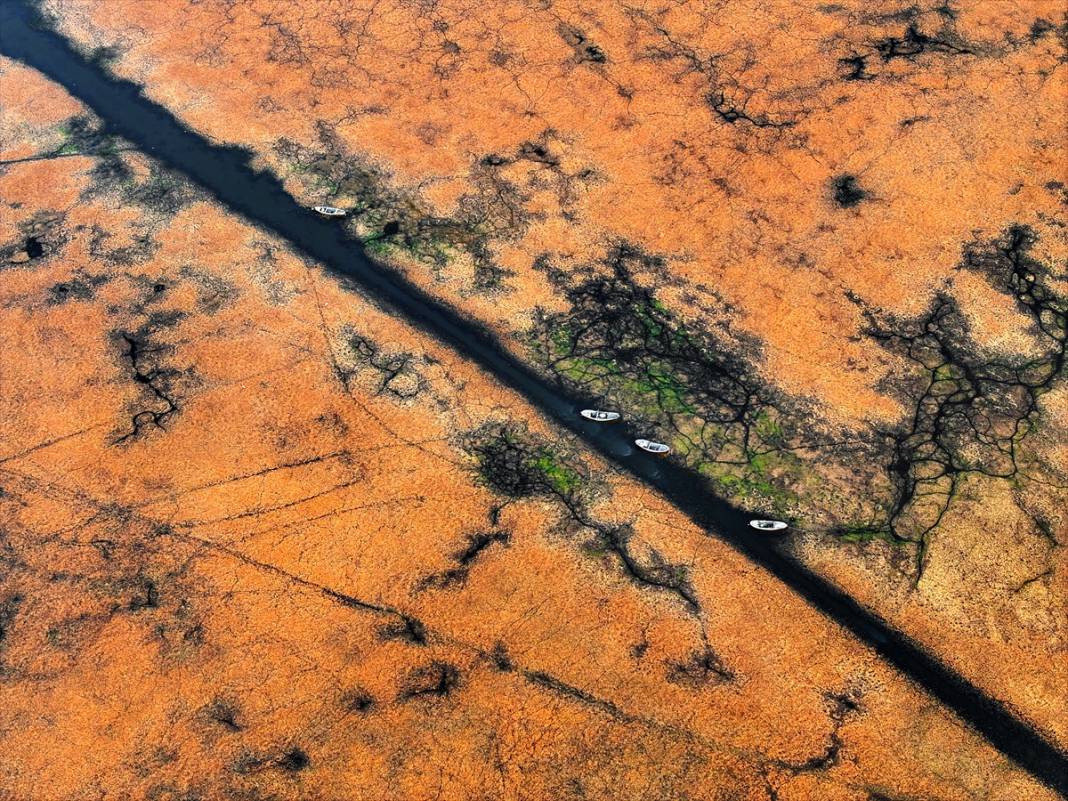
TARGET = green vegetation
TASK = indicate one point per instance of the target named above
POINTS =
(82, 135)
(753, 486)
(768, 427)
(392, 222)
(515, 463)
(619, 341)
(667, 389)
(865, 533)
(559, 476)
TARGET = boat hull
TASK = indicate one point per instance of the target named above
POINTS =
(768, 525)
(651, 447)
(599, 416)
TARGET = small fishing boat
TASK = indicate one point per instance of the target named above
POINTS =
(330, 211)
(768, 525)
(598, 416)
(652, 447)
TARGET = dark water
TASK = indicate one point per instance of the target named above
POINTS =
(224, 173)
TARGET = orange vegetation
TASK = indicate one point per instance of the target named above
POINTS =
(728, 140)
(224, 535)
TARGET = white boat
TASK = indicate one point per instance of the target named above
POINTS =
(330, 211)
(768, 525)
(599, 416)
(652, 447)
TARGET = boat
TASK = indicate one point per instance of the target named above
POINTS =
(599, 416)
(768, 525)
(652, 447)
(330, 211)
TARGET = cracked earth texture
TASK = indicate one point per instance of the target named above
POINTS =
(265, 540)
(252, 550)
(790, 185)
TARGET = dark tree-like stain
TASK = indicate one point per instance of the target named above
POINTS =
(1039, 28)
(43, 236)
(158, 381)
(224, 714)
(537, 152)
(845, 191)
(398, 373)
(9, 608)
(970, 412)
(510, 461)
(723, 89)
(406, 628)
(401, 220)
(82, 286)
(585, 50)
(358, 700)
(616, 341)
(855, 68)
(914, 42)
(294, 760)
(703, 667)
(867, 61)
(435, 680)
(731, 111)
(652, 571)
(514, 463)
(465, 559)
(841, 706)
